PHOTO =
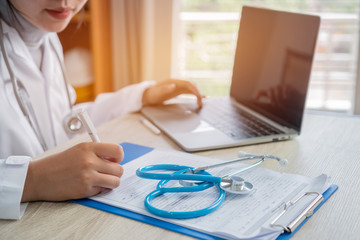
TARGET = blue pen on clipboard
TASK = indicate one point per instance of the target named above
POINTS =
(149, 125)
(89, 126)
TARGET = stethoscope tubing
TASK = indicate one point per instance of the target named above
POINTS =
(185, 214)
(27, 112)
(147, 172)
(160, 190)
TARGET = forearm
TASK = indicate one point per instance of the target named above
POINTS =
(110, 105)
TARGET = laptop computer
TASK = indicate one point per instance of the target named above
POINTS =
(270, 79)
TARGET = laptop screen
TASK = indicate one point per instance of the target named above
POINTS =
(273, 63)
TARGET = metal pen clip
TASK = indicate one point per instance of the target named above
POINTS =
(308, 211)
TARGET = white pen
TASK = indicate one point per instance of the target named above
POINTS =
(90, 128)
(149, 125)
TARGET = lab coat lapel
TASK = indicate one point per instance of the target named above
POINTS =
(30, 75)
(16, 46)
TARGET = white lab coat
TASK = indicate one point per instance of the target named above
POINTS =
(49, 100)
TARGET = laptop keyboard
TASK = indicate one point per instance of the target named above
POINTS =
(234, 122)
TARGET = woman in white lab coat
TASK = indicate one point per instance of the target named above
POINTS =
(34, 56)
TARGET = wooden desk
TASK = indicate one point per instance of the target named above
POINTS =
(328, 144)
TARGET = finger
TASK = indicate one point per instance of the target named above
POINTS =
(93, 191)
(85, 194)
(193, 89)
(106, 181)
(109, 168)
(108, 151)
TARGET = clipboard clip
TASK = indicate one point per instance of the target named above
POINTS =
(307, 212)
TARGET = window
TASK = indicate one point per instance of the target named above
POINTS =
(205, 39)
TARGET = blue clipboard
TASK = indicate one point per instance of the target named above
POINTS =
(133, 151)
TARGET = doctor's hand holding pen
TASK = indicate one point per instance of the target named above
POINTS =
(81, 171)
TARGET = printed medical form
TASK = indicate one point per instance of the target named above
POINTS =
(239, 217)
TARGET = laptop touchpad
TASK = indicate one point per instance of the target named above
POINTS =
(177, 118)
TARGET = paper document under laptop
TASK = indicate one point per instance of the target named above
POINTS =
(270, 79)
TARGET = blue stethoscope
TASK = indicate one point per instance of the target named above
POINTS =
(196, 180)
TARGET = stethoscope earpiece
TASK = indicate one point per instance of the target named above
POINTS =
(282, 161)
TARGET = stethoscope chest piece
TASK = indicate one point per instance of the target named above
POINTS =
(236, 185)
(72, 124)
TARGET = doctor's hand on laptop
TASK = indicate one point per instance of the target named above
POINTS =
(168, 89)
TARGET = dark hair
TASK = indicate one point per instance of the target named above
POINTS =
(8, 13)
